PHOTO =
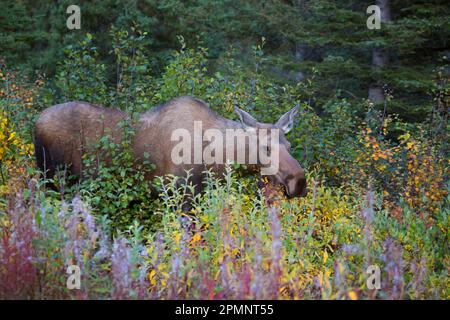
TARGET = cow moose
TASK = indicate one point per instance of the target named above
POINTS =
(65, 131)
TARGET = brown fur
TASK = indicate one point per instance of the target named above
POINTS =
(64, 131)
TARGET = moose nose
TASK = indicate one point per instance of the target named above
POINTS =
(296, 186)
(304, 191)
(301, 186)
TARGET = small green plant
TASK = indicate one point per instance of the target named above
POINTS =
(80, 76)
(114, 180)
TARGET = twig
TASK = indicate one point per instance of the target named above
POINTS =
(313, 209)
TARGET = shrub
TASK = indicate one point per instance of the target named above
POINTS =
(115, 183)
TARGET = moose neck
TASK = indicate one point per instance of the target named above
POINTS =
(231, 124)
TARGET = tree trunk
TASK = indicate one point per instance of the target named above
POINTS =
(380, 56)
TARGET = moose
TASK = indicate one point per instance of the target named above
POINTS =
(64, 132)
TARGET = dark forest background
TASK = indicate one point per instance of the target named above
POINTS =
(324, 40)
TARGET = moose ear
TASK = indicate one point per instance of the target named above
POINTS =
(286, 121)
(246, 119)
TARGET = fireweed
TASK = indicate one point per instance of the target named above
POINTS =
(229, 246)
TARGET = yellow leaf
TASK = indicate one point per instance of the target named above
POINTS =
(11, 136)
(320, 279)
(405, 137)
(325, 256)
(177, 238)
(151, 277)
(196, 237)
(352, 295)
